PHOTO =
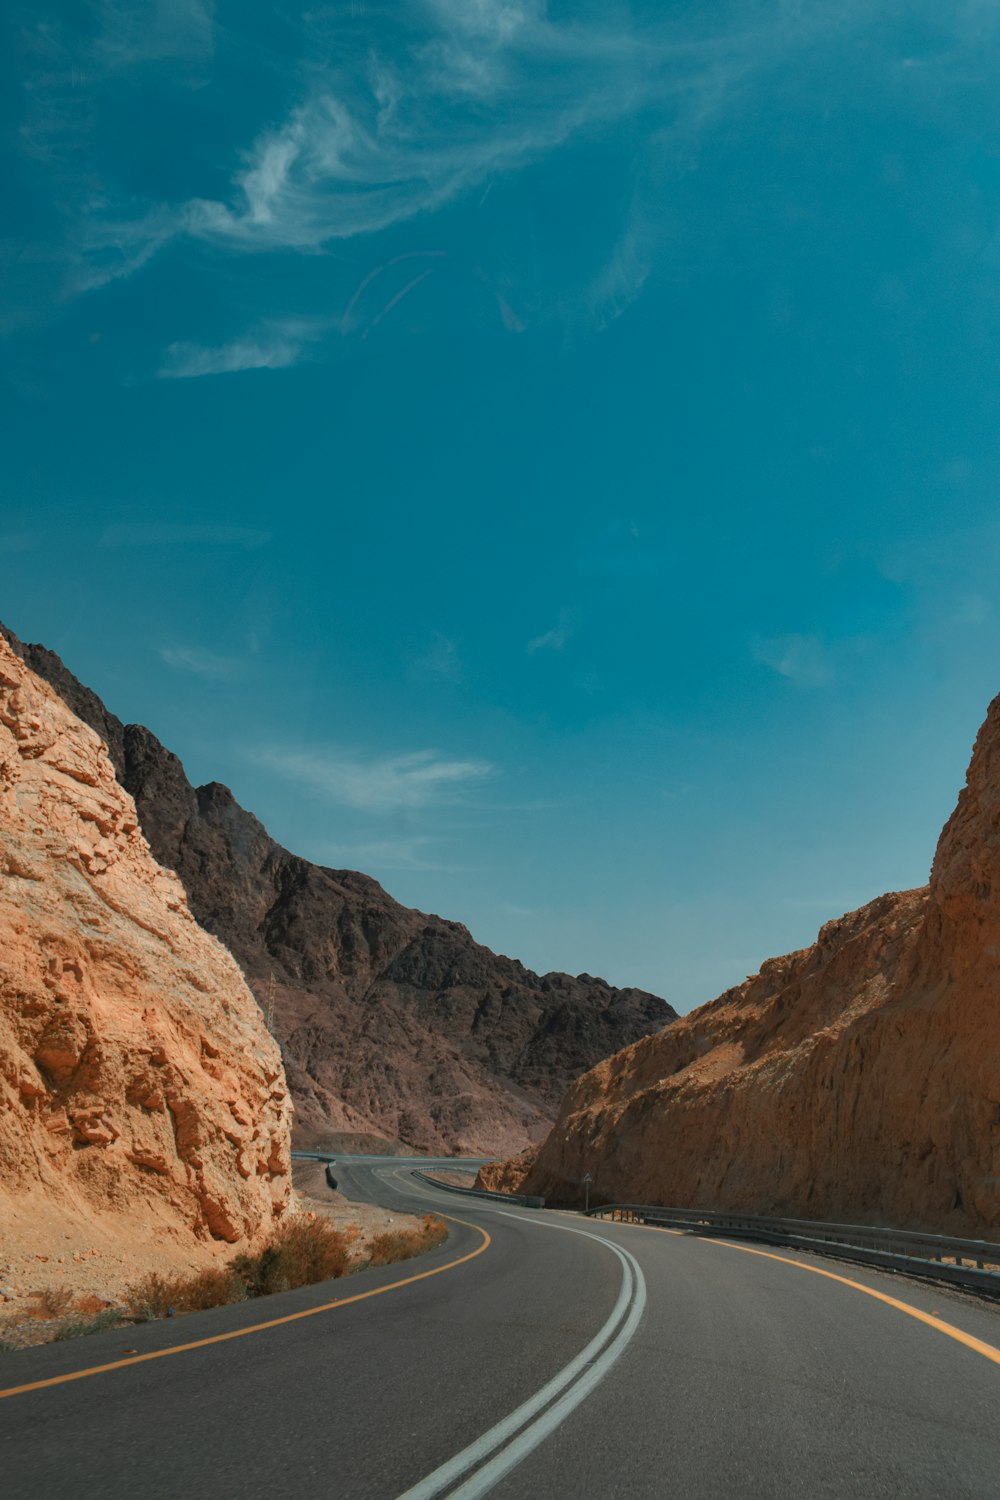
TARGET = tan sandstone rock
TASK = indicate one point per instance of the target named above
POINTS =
(858, 1079)
(143, 1105)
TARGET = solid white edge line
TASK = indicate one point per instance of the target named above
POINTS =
(633, 1290)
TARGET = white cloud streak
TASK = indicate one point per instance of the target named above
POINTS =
(139, 31)
(272, 346)
(405, 853)
(199, 662)
(385, 784)
(490, 87)
(387, 118)
(803, 659)
(556, 638)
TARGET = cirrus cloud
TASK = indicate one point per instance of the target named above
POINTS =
(381, 784)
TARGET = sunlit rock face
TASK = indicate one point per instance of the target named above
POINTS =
(142, 1100)
(394, 1023)
(858, 1079)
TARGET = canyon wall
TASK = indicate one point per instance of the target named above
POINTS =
(393, 1023)
(858, 1079)
(144, 1111)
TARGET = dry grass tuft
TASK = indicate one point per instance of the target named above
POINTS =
(402, 1244)
(88, 1306)
(299, 1254)
(157, 1296)
(54, 1313)
(51, 1302)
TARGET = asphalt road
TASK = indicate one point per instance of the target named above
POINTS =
(535, 1355)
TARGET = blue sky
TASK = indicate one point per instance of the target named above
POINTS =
(545, 457)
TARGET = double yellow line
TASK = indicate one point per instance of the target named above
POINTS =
(239, 1333)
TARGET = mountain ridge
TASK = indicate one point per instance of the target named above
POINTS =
(393, 1022)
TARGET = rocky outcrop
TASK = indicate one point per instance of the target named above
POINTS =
(392, 1021)
(141, 1097)
(858, 1079)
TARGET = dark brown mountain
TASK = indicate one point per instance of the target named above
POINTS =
(393, 1023)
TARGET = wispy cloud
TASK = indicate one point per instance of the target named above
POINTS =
(164, 534)
(441, 659)
(453, 95)
(488, 88)
(375, 121)
(383, 784)
(404, 853)
(803, 659)
(621, 279)
(271, 346)
(511, 909)
(140, 31)
(555, 638)
(201, 663)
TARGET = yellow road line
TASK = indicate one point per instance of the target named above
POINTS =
(988, 1351)
(237, 1333)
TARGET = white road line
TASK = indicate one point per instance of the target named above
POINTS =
(417, 1189)
(512, 1437)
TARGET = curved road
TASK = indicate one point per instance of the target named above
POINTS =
(536, 1354)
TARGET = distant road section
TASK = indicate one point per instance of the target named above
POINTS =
(535, 1355)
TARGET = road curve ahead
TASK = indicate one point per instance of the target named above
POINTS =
(534, 1355)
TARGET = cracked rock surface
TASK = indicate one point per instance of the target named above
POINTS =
(144, 1109)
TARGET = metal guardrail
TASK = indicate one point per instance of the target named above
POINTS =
(917, 1254)
(522, 1200)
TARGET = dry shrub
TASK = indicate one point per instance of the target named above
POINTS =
(214, 1287)
(151, 1297)
(402, 1244)
(155, 1295)
(300, 1253)
(88, 1306)
(51, 1302)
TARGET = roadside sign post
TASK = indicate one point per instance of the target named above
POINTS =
(586, 1190)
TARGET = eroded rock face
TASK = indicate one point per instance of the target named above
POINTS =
(392, 1021)
(858, 1079)
(140, 1093)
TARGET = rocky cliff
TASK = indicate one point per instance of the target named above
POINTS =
(392, 1021)
(143, 1105)
(858, 1079)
